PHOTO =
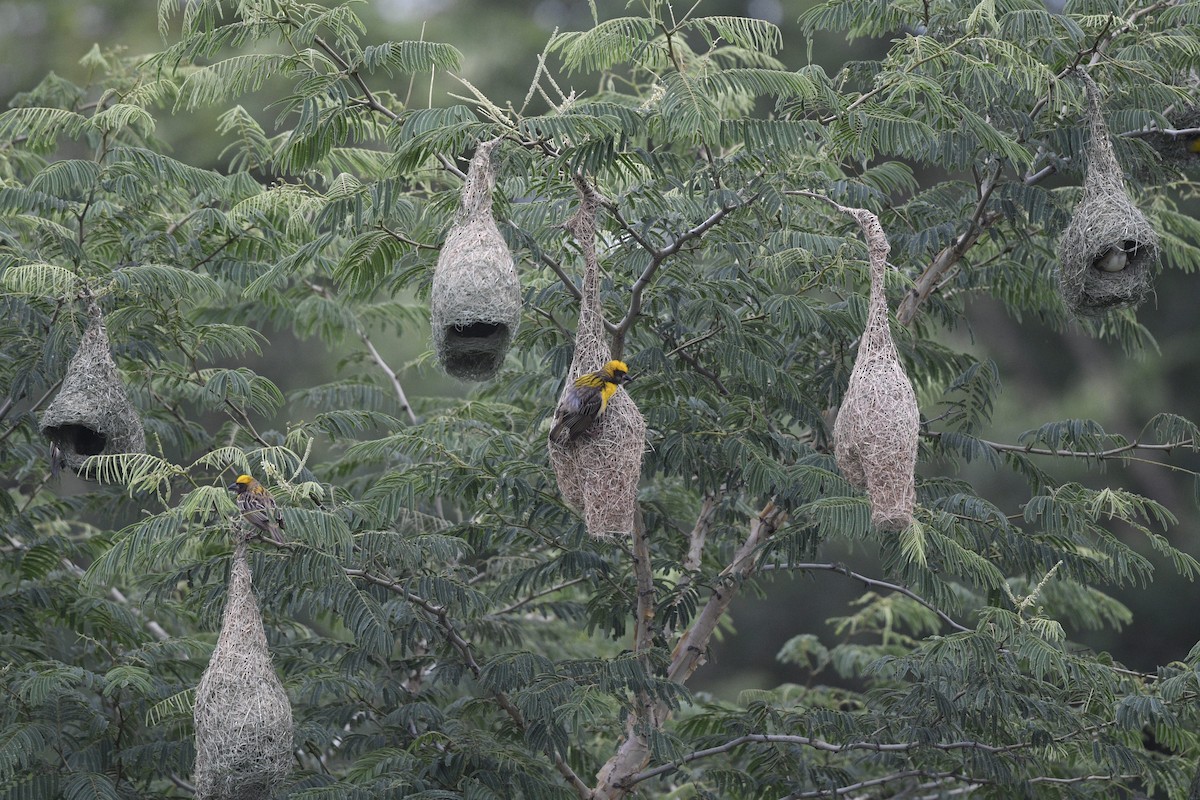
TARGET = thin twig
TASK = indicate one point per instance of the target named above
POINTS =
(639, 286)
(1100, 455)
(392, 376)
(517, 606)
(873, 583)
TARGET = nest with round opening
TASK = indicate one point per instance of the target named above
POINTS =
(1108, 253)
(243, 716)
(598, 472)
(475, 306)
(875, 433)
(91, 415)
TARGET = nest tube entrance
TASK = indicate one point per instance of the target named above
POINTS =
(475, 306)
(1109, 251)
(598, 472)
(242, 715)
(91, 415)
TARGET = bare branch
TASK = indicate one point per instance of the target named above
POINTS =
(657, 257)
(392, 376)
(691, 651)
(873, 583)
(1100, 455)
(644, 578)
(820, 744)
(948, 258)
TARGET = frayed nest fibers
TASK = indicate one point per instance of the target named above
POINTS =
(598, 473)
(243, 716)
(475, 307)
(875, 434)
(92, 415)
(1109, 251)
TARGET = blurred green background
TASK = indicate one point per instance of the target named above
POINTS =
(1046, 375)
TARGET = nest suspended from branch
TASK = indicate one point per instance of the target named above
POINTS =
(242, 714)
(92, 415)
(598, 472)
(875, 434)
(475, 307)
(1109, 252)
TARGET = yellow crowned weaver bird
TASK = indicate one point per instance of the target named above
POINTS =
(258, 506)
(586, 400)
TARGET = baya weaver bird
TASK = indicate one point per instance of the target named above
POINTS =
(586, 400)
(258, 506)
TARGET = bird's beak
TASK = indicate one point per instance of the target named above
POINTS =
(627, 379)
(232, 487)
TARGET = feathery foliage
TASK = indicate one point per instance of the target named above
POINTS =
(442, 623)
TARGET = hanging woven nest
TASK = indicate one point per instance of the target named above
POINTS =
(875, 434)
(1109, 252)
(475, 307)
(598, 473)
(243, 716)
(91, 415)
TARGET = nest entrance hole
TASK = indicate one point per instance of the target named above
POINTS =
(475, 350)
(477, 330)
(78, 439)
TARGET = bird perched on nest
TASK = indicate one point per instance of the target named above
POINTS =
(258, 507)
(586, 400)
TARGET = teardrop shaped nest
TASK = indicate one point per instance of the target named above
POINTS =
(1108, 253)
(243, 716)
(878, 424)
(91, 414)
(475, 306)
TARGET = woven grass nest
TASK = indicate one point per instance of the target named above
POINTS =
(91, 415)
(475, 307)
(243, 716)
(598, 473)
(875, 433)
(1108, 253)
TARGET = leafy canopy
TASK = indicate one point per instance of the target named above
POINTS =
(443, 625)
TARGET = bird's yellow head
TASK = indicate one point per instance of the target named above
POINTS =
(241, 483)
(616, 372)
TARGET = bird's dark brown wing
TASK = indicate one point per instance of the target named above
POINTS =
(575, 414)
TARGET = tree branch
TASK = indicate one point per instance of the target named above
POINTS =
(949, 257)
(633, 753)
(391, 373)
(1100, 455)
(820, 744)
(656, 259)
(873, 583)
